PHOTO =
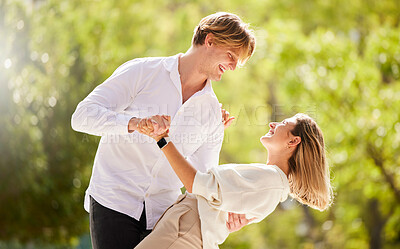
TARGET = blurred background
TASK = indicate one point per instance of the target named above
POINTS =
(338, 61)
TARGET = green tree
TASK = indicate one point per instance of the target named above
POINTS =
(336, 60)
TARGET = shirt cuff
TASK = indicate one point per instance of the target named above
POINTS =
(122, 121)
(200, 184)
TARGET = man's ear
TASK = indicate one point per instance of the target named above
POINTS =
(209, 40)
(295, 141)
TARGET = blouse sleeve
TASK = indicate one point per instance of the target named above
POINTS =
(246, 190)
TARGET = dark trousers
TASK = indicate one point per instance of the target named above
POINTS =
(110, 229)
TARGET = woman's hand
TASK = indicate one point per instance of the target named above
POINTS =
(226, 119)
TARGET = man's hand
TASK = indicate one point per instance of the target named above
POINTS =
(226, 119)
(237, 221)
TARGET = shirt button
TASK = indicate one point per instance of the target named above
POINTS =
(146, 195)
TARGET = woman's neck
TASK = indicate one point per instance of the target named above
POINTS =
(280, 160)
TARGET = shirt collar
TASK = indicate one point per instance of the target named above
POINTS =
(285, 181)
(171, 64)
(207, 89)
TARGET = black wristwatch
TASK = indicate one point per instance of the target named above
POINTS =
(163, 142)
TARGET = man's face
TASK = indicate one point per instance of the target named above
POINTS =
(218, 59)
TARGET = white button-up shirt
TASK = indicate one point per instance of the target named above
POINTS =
(129, 168)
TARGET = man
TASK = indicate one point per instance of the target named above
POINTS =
(132, 183)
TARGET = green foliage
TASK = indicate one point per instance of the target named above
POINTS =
(338, 61)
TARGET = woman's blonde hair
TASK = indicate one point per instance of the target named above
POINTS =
(228, 30)
(309, 176)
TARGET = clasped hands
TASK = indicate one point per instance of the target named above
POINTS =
(157, 126)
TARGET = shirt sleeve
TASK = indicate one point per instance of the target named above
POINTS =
(101, 112)
(253, 192)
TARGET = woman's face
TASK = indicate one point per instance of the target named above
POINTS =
(279, 135)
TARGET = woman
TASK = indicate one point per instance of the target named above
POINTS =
(296, 166)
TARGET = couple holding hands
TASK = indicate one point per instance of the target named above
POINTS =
(144, 156)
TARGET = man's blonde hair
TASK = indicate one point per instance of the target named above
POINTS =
(227, 30)
(309, 176)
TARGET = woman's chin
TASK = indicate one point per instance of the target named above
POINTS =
(264, 140)
(266, 136)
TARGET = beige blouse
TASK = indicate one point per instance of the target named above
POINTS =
(251, 189)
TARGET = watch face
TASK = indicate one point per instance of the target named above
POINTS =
(162, 143)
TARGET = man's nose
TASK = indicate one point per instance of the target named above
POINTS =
(272, 125)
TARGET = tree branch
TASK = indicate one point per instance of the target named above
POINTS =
(379, 162)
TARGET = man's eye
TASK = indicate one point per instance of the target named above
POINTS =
(230, 56)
